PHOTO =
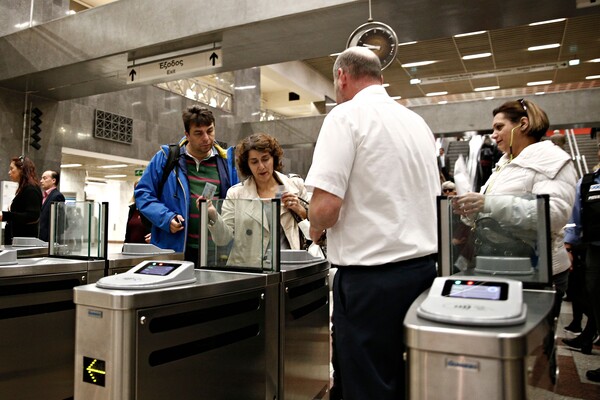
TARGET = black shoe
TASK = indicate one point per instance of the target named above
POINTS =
(573, 329)
(593, 375)
(579, 344)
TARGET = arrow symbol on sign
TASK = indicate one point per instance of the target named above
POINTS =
(91, 370)
(132, 74)
(213, 57)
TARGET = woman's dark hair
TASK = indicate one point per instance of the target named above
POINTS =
(259, 142)
(515, 110)
(200, 116)
(27, 168)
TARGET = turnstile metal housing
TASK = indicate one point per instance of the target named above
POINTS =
(458, 362)
(304, 330)
(213, 339)
(228, 336)
(37, 320)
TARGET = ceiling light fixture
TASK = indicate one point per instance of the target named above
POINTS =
(595, 60)
(469, 34)
(113, 166)
(489, 98)
(70, 165)
(435, 94)
(406, 43)
(443, 102)
(385, 85)
(539, 83)
(116, 176)
(245, 87)
(396, 97)
(574, 61)
(544, 47)
(415, 81)
(592, 77)
(484, 88)
(550, 21)
(417, 64)
(539, 93)
(474, 56)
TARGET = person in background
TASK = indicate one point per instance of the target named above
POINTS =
(528, 165)
(23, 215)
(49, 184)
(174, 216)
(381, 225)
(448, 189)
(583, 231)
(136, 231)
(443, 165)
(488, 157)
(259, 161)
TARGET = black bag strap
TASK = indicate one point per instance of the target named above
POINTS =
(172, 161)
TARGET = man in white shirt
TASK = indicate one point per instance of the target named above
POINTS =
(374, 179)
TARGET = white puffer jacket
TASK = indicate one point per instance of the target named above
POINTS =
(541, 168)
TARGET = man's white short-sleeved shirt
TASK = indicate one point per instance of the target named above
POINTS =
(380, 158)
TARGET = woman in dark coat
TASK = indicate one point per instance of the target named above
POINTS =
(23, 216)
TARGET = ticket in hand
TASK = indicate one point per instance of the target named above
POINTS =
(209, 191)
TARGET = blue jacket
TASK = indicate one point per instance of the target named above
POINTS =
(175, 196)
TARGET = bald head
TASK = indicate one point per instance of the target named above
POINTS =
(358, 62)
(353, 70)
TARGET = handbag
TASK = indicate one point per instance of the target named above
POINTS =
(492, 240)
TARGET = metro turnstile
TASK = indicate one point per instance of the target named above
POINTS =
(37, 319)
(214, 339)
(450, 361)
(228, 336)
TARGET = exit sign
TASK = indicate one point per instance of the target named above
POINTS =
(139, 172)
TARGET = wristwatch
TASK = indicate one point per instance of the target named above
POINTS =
(378, 37)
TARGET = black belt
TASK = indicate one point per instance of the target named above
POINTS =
(402, 263)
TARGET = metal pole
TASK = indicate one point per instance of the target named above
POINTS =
(571, 132)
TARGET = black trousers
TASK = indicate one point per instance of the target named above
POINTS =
(369, 306)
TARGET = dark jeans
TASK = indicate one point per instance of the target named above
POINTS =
(369, 306)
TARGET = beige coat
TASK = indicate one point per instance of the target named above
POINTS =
(246, 222)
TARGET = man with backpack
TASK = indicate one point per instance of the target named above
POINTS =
(176, 176)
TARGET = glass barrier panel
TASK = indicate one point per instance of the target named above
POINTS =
(236, 234)
(510, 237)
(78, 229)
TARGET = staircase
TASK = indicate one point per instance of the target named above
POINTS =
(588, 150)
(455, 149)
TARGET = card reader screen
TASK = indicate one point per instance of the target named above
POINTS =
(483, 290)
(158, 268)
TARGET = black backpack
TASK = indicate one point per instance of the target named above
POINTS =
(172, 161)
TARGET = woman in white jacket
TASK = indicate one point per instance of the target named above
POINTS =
(528, 166)
(259, 160)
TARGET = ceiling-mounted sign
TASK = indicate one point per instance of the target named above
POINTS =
(173, 67)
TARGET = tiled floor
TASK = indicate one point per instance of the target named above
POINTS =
(572, 364)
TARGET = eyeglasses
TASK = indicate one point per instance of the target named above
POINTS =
(447, 190)
(522, 101)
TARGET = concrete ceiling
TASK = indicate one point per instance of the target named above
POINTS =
(78, 61)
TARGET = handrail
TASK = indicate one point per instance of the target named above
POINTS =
(575, 154)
